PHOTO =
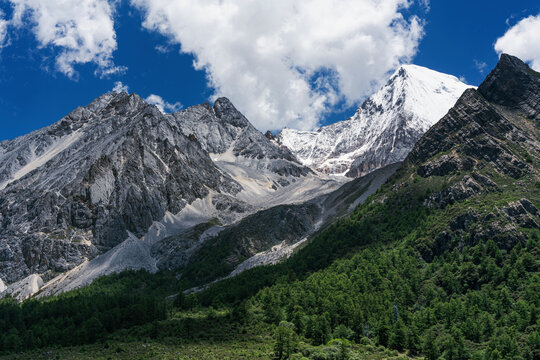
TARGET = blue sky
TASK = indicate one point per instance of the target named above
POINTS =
(458, 38)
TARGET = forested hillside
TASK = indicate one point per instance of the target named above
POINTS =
(443, 261)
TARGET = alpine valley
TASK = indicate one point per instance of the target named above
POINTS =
(410, 230)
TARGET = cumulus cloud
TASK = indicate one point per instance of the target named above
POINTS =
(522, 40)
(286, 63)
(162, 105)
(83, 31)
(119, 87)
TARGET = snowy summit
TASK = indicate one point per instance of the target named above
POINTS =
(384, 129)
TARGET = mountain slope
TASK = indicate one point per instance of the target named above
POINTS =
(270, 235)
(222, 127)
(384, 129)
(118, 175)
(443, 260)
(77, 187)
(260, 165)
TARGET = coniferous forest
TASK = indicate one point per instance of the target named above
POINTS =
(377, 280)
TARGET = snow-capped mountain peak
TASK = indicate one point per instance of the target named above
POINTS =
(383, 129)
(425, 92)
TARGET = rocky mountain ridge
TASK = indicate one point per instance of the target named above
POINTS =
(116, 169)
(487, 145)
(118, 185)
(471, 182)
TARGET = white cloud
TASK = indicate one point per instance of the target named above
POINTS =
(3, 30)
(480, 66)
(264, 55)
(162, 105)
(522, 40)
(163, 49)
(83, 30)
(119, 87)
(426, 5)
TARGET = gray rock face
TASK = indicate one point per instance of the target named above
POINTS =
(23, 289)
(445, 165)
(76, 188)
(222, 128)
(464, 189)
(513, 85)
(282, 226)
(487, 145)
(477, 129)
(523, 213)
(124, 186)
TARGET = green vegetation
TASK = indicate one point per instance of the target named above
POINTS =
(364, 288)
(373, 222)
(84, 316)
(397, 286)
(438, 267)
(360, 289)
(206, 334)
(474, 302)
(286, 342)
(248, 348)
(238, 333)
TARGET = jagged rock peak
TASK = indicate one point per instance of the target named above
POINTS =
(478, 128)
(115, 99)
(269, 135)
(223, 129)
(225, 110)
(513, 84)
(112, 167)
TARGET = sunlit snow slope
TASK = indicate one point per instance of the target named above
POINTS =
(384, 129)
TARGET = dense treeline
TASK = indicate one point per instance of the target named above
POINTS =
(475, 300)
(479, 303)
(83, 316)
